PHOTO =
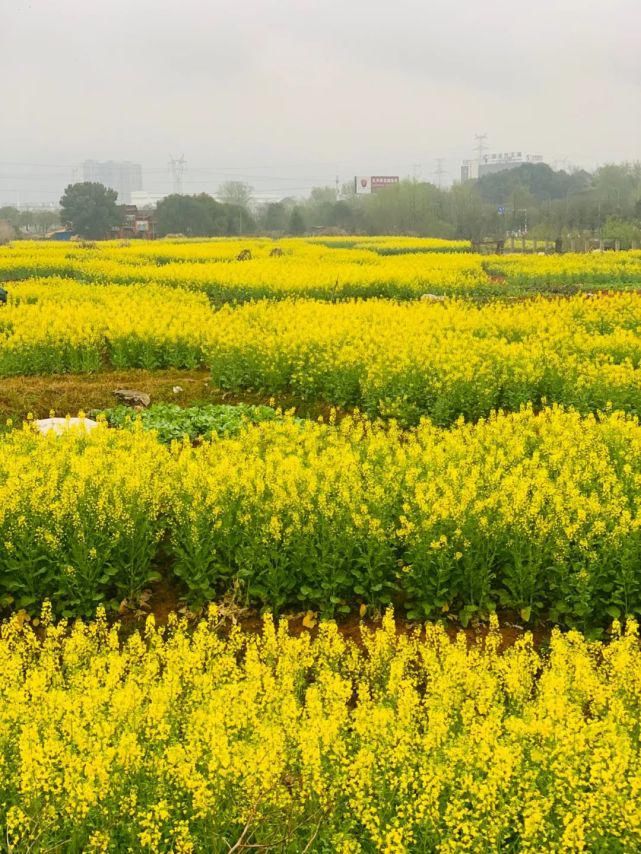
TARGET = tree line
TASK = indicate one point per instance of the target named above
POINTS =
(532, 199)
(529, 199)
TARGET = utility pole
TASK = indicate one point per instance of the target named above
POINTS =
(338, 190)
(177, 168)
(439, 172)
(481, 145)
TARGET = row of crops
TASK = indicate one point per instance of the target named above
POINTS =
(407, 360)
(538, 514)
(186, 740)
(312, 269)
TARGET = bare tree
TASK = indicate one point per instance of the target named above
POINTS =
(7, 231)
(235, 193)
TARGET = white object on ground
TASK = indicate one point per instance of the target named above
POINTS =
(59, 425)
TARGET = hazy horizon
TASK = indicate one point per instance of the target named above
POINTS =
(287, 96)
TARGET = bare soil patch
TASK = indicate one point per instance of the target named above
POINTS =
(67, 394)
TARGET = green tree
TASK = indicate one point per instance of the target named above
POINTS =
(471, 218)
(296, 221)
(409, 207)
(275, 217)
(322, 195)
(191, 215)
(234, 220)
(627, 233)
(90, 209)
(11, 215)
(538, 180)
(39, 221)
(201, 216)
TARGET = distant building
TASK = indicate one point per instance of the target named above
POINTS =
(59, 234)
(469, 170)
(135, 224)
(472, 170)
(123, 177)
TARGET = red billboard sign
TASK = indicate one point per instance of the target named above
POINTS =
(380, 182)
(364, 185)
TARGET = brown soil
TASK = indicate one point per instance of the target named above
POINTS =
(67, 394)
(165, 599)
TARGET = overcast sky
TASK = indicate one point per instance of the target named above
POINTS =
(287, 94)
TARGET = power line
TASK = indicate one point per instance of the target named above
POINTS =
(177, 168)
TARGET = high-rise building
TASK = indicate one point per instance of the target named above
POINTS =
(122, 176)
